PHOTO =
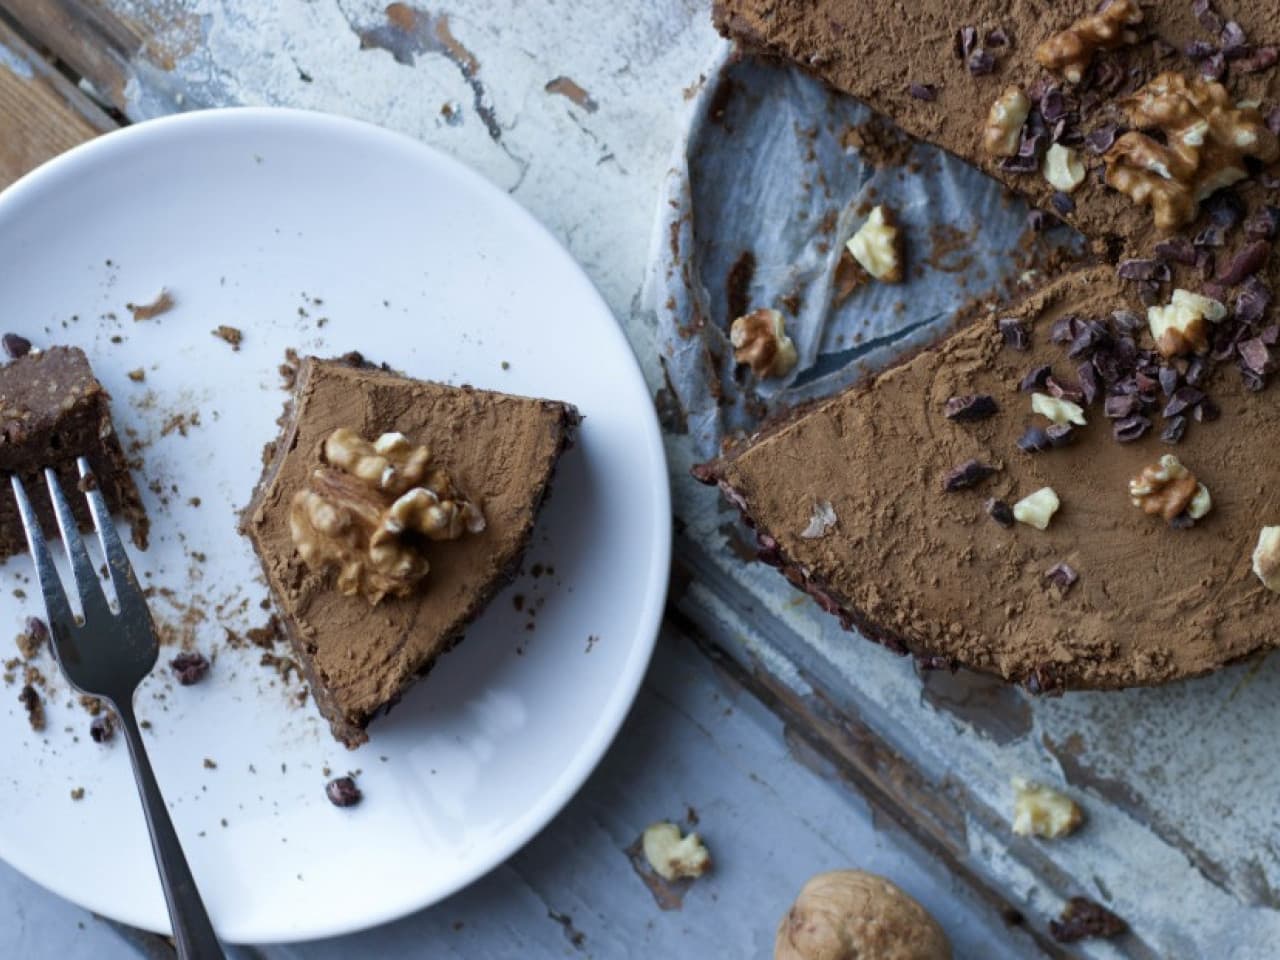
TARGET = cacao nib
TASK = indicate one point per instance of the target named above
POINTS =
(1086, 340)
(1262, 58)
(1036, 379)
(1213, 67)
(965, 40)
(1138, 269)
(981, 63)
(1234, 43)
(1262, 223)
(1270, 335)
(1019, 163)
(1119, 406)
(1081, 919)
(342, 792)
(1206, 411)
(1126, 321)
(1130, 428)
(1177, 249)
(1215, 290)
(189, 667)
(966, 475)
(1108, 366)
(923, 91)
(1015, 334)
(1196, 370)
(978, 406)
(1255, 356)
(1060, 434)
(1063, 576)
(1063, 390)
(15, 346)
(1182, 399)
(1053, 105)
(1000, 512)
(1101, 139)
(1174, 430)
(103, 727)
(1168, 377)
(1065, 329)
(997, 37)
(1199, 49)
(1246, 262)
(1089, 385)
(1252, 301)
(1034, 440)
(1062, 203)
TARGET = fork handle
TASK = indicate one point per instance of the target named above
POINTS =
(192, 932)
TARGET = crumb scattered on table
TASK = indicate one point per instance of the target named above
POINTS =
(77, 793)
(138, 375)
(163, 303)
(233, 335)
(210, 764)
(34, 706)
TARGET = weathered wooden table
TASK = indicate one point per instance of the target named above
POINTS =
(795, 747)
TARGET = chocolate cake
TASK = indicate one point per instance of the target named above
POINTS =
(389, 512)
(1139, 99)
(901, 519)
(53, 410)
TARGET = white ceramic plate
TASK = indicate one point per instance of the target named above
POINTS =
(325, 235)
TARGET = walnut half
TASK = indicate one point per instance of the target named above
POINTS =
(1206, 138)
(1069, 51)
(370, 511)
(1169, 490)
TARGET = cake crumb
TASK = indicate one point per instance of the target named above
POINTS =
(210, 764)
(77, 793)
(34, 706)
(138, 375)
(32, 639)
(232, 335)
(163, 303)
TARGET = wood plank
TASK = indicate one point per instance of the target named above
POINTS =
(42, 114)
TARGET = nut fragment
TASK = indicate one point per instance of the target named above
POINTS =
(1042, 811)
(821, 520)
(1057, 410)
(370, 512)
(1182, 326)
(877, 246)
(1206, 138)
(1002, 134)
(1169, 490)
(760, 340)
(1070, 51)
(1037, 509)
(672, 856)
(1062, 168)
(1266, 558)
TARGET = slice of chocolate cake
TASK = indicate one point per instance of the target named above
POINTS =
(1151, 127)
(389, 513)
(1041, 496)
(53, 410)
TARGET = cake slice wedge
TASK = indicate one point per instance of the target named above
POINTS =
(364, 631)
(53, 410)
(893, 503)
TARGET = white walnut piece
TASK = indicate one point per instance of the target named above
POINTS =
(1002, 133)
(370, 511)
(877, 246)
(1070, 51)
(760, 340)
(1037, 509)
(1057, 410)
(853, 915)
(1266, 558)
(672, 856)
(1062, 168)
(1042, 811)
(1182, 325)
(1205, 139)
(1169, 490)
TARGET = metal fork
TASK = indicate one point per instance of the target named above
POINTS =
(106, 653)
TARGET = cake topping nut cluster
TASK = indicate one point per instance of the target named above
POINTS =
(760, 340)
(1206, 139)
(1070, 51)
(370, 511)
(1168, 489)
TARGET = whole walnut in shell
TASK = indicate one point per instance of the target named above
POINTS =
(851, 915)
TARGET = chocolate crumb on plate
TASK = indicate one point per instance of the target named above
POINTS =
(233, 335)
(343, 792)
(1063, 576)
(34, 706)
(77, 793)
(189, 667)
(103, 728)
(162, 303)
(1000, 512)
(1082, 919)
(15, 346)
